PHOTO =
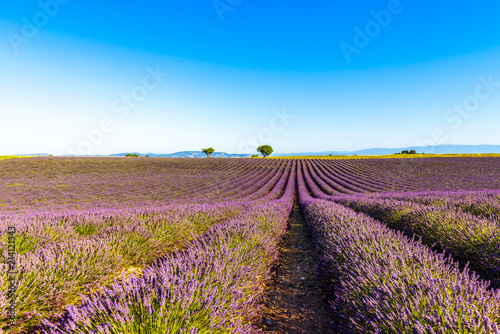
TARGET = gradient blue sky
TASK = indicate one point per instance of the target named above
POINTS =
(228, 78)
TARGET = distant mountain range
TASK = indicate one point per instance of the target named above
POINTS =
(438, 149)
(186, 154)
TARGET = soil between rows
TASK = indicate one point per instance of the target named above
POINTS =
(294, 302)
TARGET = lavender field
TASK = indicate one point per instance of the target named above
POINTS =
(156, 245)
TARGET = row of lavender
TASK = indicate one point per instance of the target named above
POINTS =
(429, 174)
(83, 183)
(380, 281)
(121, 182)
(60, 254)
(52, 276)
(468, 237)
(213, 286)
(484, 203)
(252, 186)
(403, 175)
(58, 258)
(465, 224)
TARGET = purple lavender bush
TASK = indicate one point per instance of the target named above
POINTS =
(380, 281)
(466, 237)
(212, 287)
(383, 282)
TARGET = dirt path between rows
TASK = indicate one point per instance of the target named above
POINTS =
(294, 302)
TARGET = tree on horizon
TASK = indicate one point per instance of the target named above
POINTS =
(265, 150)
(208, 151)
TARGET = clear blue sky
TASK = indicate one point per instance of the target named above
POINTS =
(84, 67)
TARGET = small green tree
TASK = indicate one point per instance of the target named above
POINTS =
(255, 156)
(208, 151)
(413, 152)
(405, 152)
(265, 150)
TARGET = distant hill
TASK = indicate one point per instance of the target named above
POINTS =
(186, 154)
(437, 149)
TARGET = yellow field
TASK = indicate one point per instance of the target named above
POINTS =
(3, 157)
(391, 156)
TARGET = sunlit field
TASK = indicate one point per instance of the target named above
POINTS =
(183, 175)
(155, 245)
(4, 157)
